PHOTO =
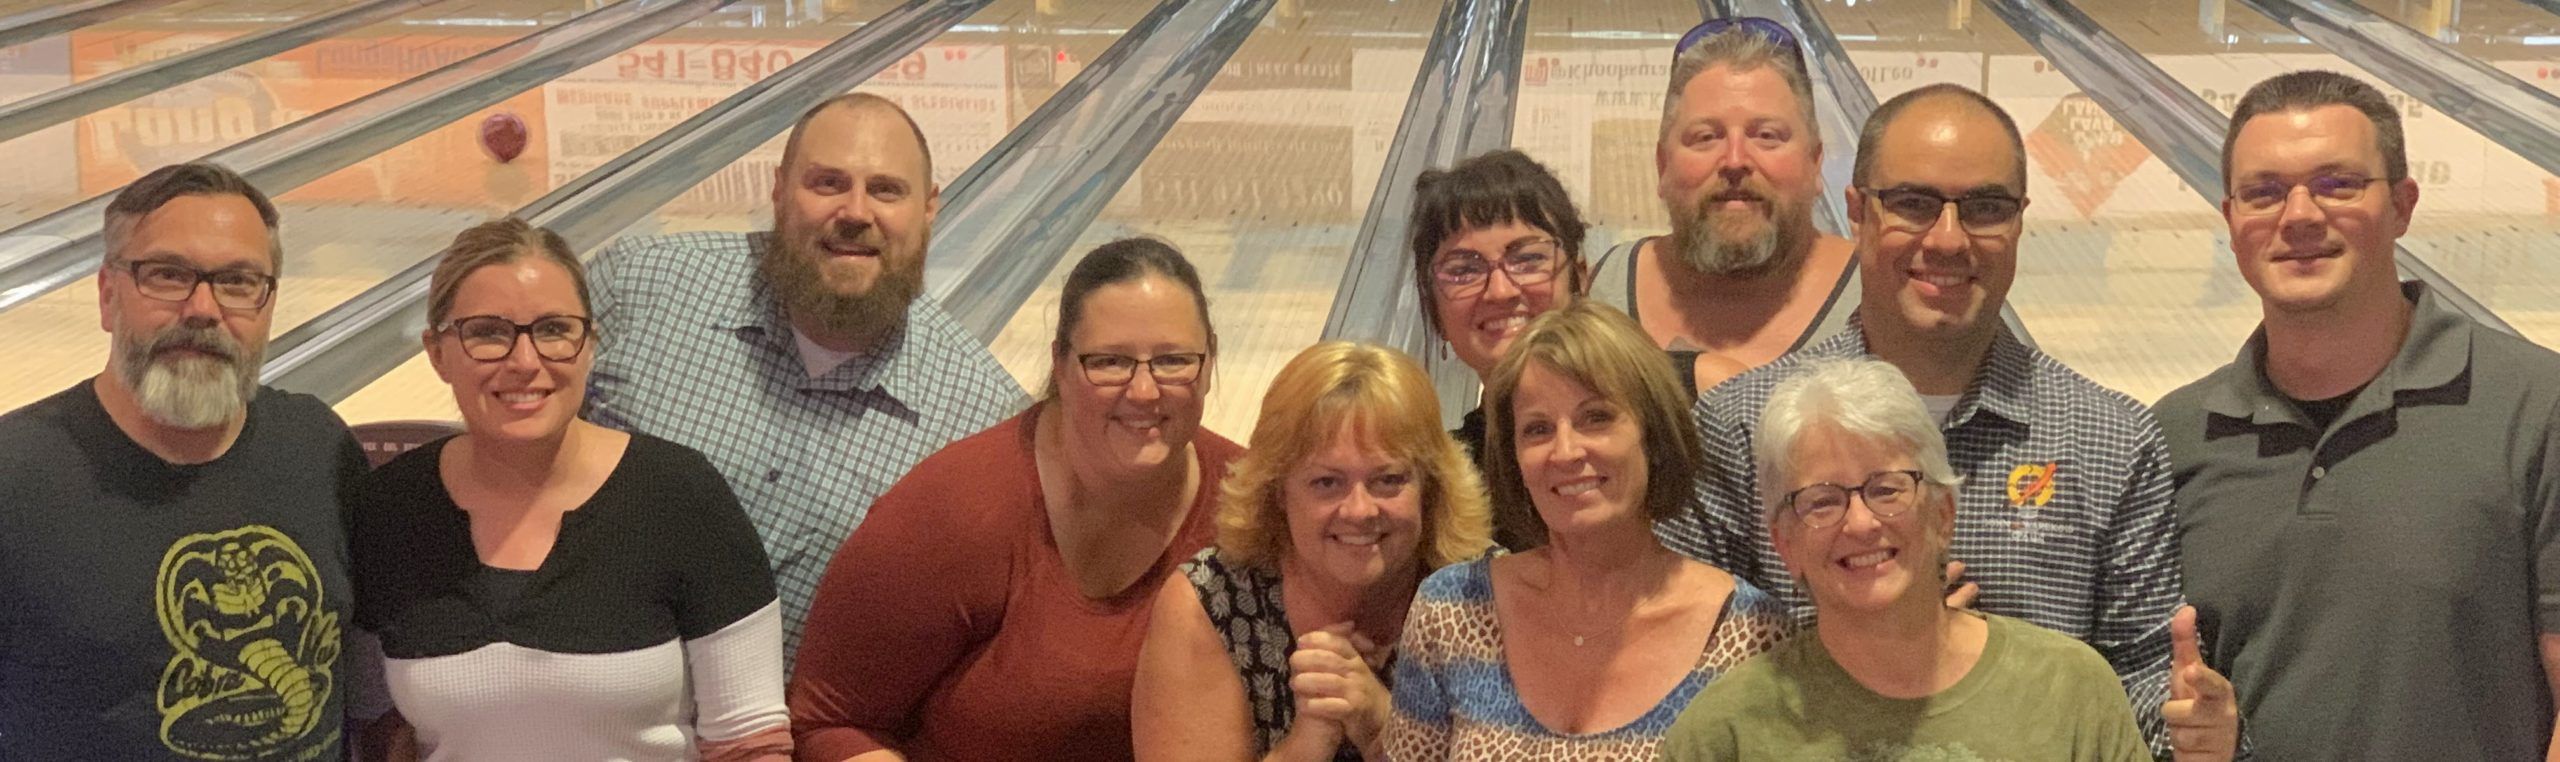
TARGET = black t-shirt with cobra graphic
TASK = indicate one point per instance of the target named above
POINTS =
(159, 611)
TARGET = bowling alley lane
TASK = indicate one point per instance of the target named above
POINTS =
(2486, 217)
(347, 230)
(1262, 183)
(967, 89)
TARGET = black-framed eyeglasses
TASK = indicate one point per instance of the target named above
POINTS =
(244, 290)
(1916, 210)
(1776, 33)
(2259, 199)
(1175, 369)
(1888, 494)
(489, 338)
(1526, 264)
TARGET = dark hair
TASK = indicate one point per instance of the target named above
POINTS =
(1871, 136)
(1606, 352)
(2307, 90)
(166, 184)
(791, 147)
(1121, 261)
(1485, 190)
(498, 242)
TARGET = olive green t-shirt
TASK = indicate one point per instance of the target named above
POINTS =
(2034, 695)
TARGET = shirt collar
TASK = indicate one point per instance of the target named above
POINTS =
(2003, 385)
(2436, 352)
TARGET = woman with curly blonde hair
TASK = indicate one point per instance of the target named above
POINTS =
(1271, 644)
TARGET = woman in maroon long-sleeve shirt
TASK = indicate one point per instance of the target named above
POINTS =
(992, 604)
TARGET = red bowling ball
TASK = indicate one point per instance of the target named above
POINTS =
(503, 135)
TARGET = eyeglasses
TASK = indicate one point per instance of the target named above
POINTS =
(1888, 494)
(1528, 264)
(242, 290)
(2326, 190)
(1916, 210)
(489, 338)
(1777, 34)
(1176, 369)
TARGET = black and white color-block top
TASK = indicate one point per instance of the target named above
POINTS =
(649, 632)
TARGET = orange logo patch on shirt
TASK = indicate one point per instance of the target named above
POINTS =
(2032, 483)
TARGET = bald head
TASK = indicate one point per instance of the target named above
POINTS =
(857, 106)
(1940, 119)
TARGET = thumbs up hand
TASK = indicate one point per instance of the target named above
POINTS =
(2204, 721)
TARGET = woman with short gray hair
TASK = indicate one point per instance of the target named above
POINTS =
(1862, 508)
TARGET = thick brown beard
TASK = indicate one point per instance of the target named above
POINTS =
(801, 286)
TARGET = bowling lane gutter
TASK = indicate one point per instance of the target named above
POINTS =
(341, 351)
(2169, 119)
(1836, 82)
(1009, 219)
(1462, 104)
(29, 26)
(2519, 116)
(67, 243)
(62, 105)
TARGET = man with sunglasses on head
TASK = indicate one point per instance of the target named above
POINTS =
(172, 534)
(806, 362)
(2063, 509)
(2369, 494)
(1744, 277)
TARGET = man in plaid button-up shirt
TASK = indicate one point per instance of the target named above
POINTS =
(2063, 518)
(805, 362)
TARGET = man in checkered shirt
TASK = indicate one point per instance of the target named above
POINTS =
(2063, 518)
(805, 362)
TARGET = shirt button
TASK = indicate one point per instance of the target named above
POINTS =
(773, 475)
(2319, 472)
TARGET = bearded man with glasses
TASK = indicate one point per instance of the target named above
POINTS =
(173, 534)
(2063, 508)
(2369, 493)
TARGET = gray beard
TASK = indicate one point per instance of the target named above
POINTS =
(1703, 249)
(193, 392)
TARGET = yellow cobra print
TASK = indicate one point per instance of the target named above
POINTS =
(256, 648)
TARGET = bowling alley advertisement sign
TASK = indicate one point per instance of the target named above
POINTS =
(956, 93)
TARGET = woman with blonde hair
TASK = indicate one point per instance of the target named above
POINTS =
(1270, 644)
(1588, 646)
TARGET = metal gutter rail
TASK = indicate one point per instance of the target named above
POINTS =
(1009, 220)
(2175, 123)
(2519, 116)
(286, 157)
(1463, 104)
(341, 351)
(29, 26)
(57, 106)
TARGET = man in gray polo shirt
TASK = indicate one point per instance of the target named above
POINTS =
(2369, 494)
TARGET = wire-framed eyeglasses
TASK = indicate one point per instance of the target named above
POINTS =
(2265, 198)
